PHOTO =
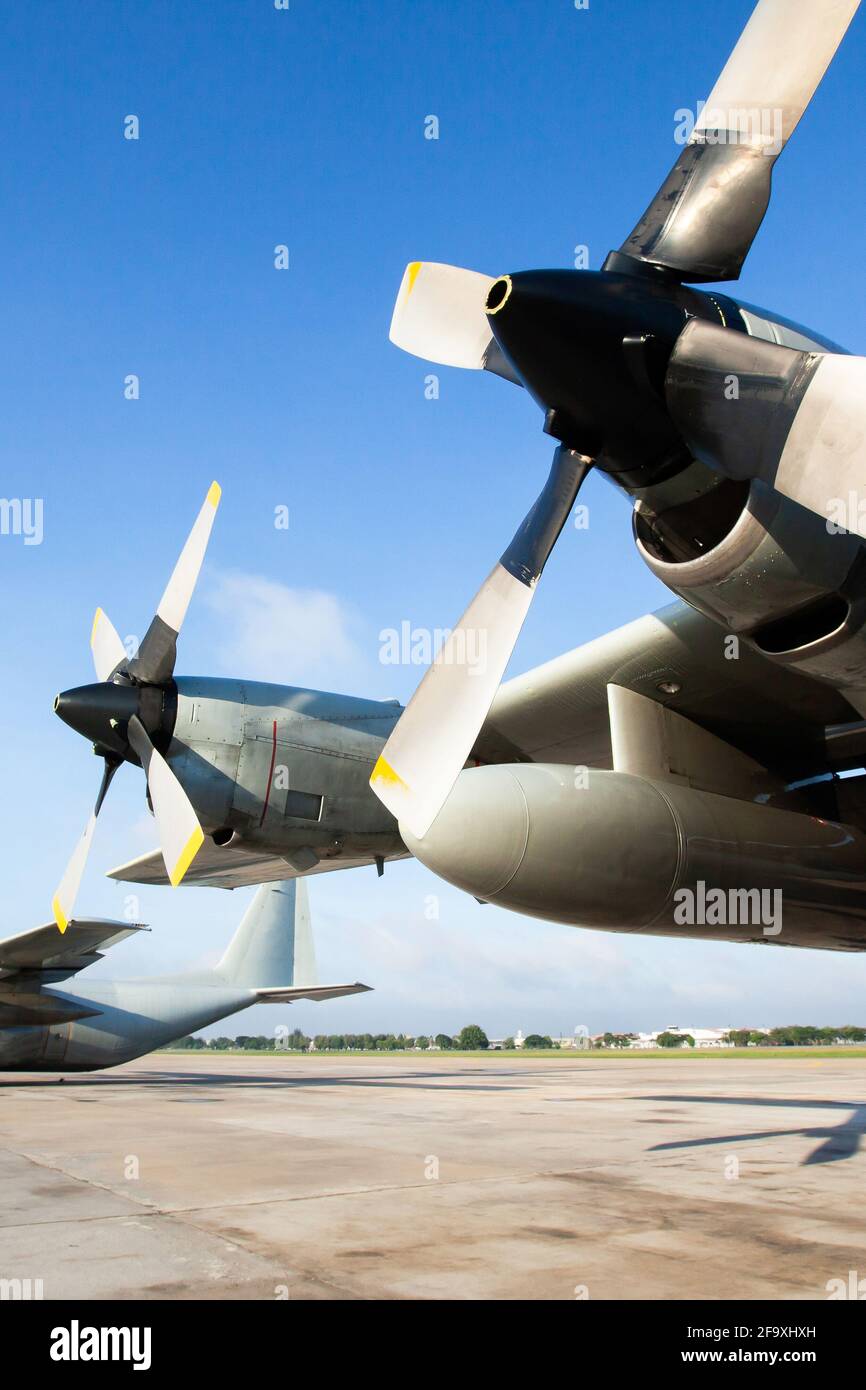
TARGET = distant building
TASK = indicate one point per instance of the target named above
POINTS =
(497, 1044)
(704, 1037)
(578, 1039)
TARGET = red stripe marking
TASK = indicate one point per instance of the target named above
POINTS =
(270, 776)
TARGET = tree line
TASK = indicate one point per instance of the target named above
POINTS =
(472, 1038)
(796, 1035)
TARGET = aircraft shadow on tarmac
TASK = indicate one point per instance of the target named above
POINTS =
(249, 1082)
(839, 1141)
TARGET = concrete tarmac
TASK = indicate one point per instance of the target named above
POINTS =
(338, 1177)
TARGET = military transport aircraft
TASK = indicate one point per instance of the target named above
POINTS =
(693, 750)
(52, 1022)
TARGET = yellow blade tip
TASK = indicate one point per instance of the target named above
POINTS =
(187, 855)
(59, 916)
(97, 615)
(383, 772)
(214, 493)
(412, 271)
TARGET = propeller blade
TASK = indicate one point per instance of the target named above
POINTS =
(63, 902)
(180, 835)
(798, 421)
(440, 316)
(106, 647)
(154, 663)
(436, 732)
(704, 218)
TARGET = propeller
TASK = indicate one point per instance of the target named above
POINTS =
(435, 733)
(63, 902)
(704, 218)
(593, 349)
(441, 315)
(106, 648)
(131, 711)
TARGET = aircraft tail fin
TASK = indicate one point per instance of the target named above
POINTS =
(273, 946)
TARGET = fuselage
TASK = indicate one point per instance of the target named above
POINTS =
(133, 1018)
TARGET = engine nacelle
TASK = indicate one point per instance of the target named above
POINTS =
(284, 769)
(765, 568)
(625, 853)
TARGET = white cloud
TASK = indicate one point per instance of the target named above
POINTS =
(473, 963)
(270, 632)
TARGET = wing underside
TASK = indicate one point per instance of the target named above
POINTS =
(559, 712)
(218, 866)
(43, 956)
(45, 949)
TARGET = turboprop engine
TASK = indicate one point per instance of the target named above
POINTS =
(635, 371)
(621, 852)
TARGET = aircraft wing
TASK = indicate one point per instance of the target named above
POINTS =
(676, 657)
(316, 992)
(45, 949)
(229, 867)
(559, 712)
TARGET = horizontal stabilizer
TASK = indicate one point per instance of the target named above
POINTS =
(316, 992)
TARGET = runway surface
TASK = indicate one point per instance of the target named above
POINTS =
(331, 1178)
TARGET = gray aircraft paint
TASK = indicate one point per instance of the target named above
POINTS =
(611, 851)
(272, 950)
(232, 738)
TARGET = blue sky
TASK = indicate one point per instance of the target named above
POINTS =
(305, 127)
